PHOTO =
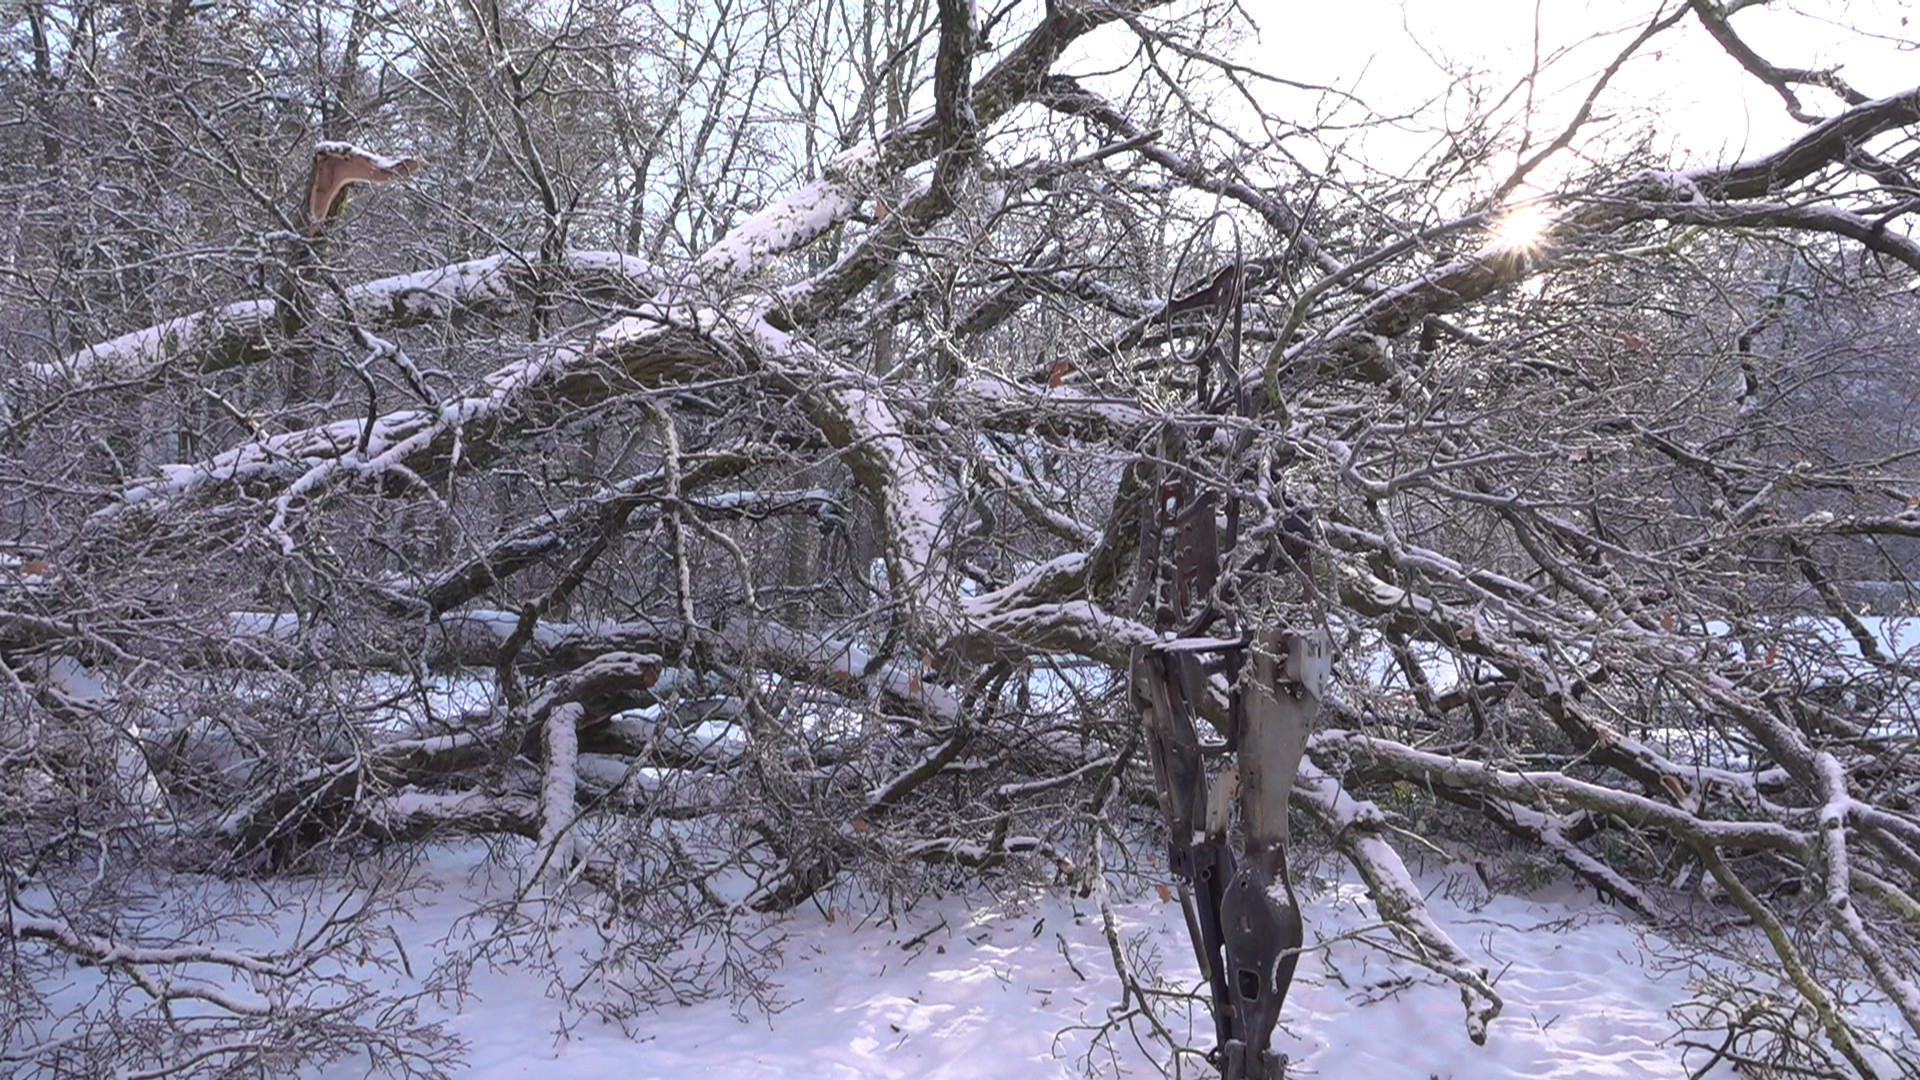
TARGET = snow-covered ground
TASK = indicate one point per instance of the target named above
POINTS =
(1015, 986)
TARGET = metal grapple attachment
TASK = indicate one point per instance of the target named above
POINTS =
(1240, 907)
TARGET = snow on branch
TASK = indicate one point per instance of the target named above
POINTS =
(1655, 194)
(241, 332)
(805, 215)
(797, 219)
(1836, 810)
(106, 952)
(474, 636)
(226, 332)
(845, 665)
(1528, 788)
(1065, 409)
(853, 410)
(1823, 145)
(1356, 825)
(553, 530)
(606, 679)
(807, 877)
(1530, 797)
(1075, 627)
(238, 332)
(1869, 233)
(953, 144)
(418, 441)
(1549, 831)
(419, 814)
(560, 779)
(1462, 629)
(424, 440)
(282, 808)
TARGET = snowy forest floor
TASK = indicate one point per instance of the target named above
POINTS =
(1013, 983)
(1016, 986)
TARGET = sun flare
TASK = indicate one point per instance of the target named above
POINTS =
(1522, 227)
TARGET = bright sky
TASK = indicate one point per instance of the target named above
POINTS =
(1713, 110)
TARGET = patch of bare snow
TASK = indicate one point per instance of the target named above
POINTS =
(974, 986)
(1018, 984)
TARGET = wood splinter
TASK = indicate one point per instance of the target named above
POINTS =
(336, 167)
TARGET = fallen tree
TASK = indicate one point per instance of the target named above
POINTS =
(820, 550)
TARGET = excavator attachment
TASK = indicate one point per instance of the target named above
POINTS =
(1241, 910)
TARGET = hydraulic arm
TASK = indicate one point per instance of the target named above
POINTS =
(1240, 906)
(1258, 689)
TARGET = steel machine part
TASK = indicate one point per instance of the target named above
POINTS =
(1240, 907)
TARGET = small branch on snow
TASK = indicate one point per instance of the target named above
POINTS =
(803, 881)
(1356, 826)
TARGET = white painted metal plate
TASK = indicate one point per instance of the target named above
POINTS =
(1310, 661)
